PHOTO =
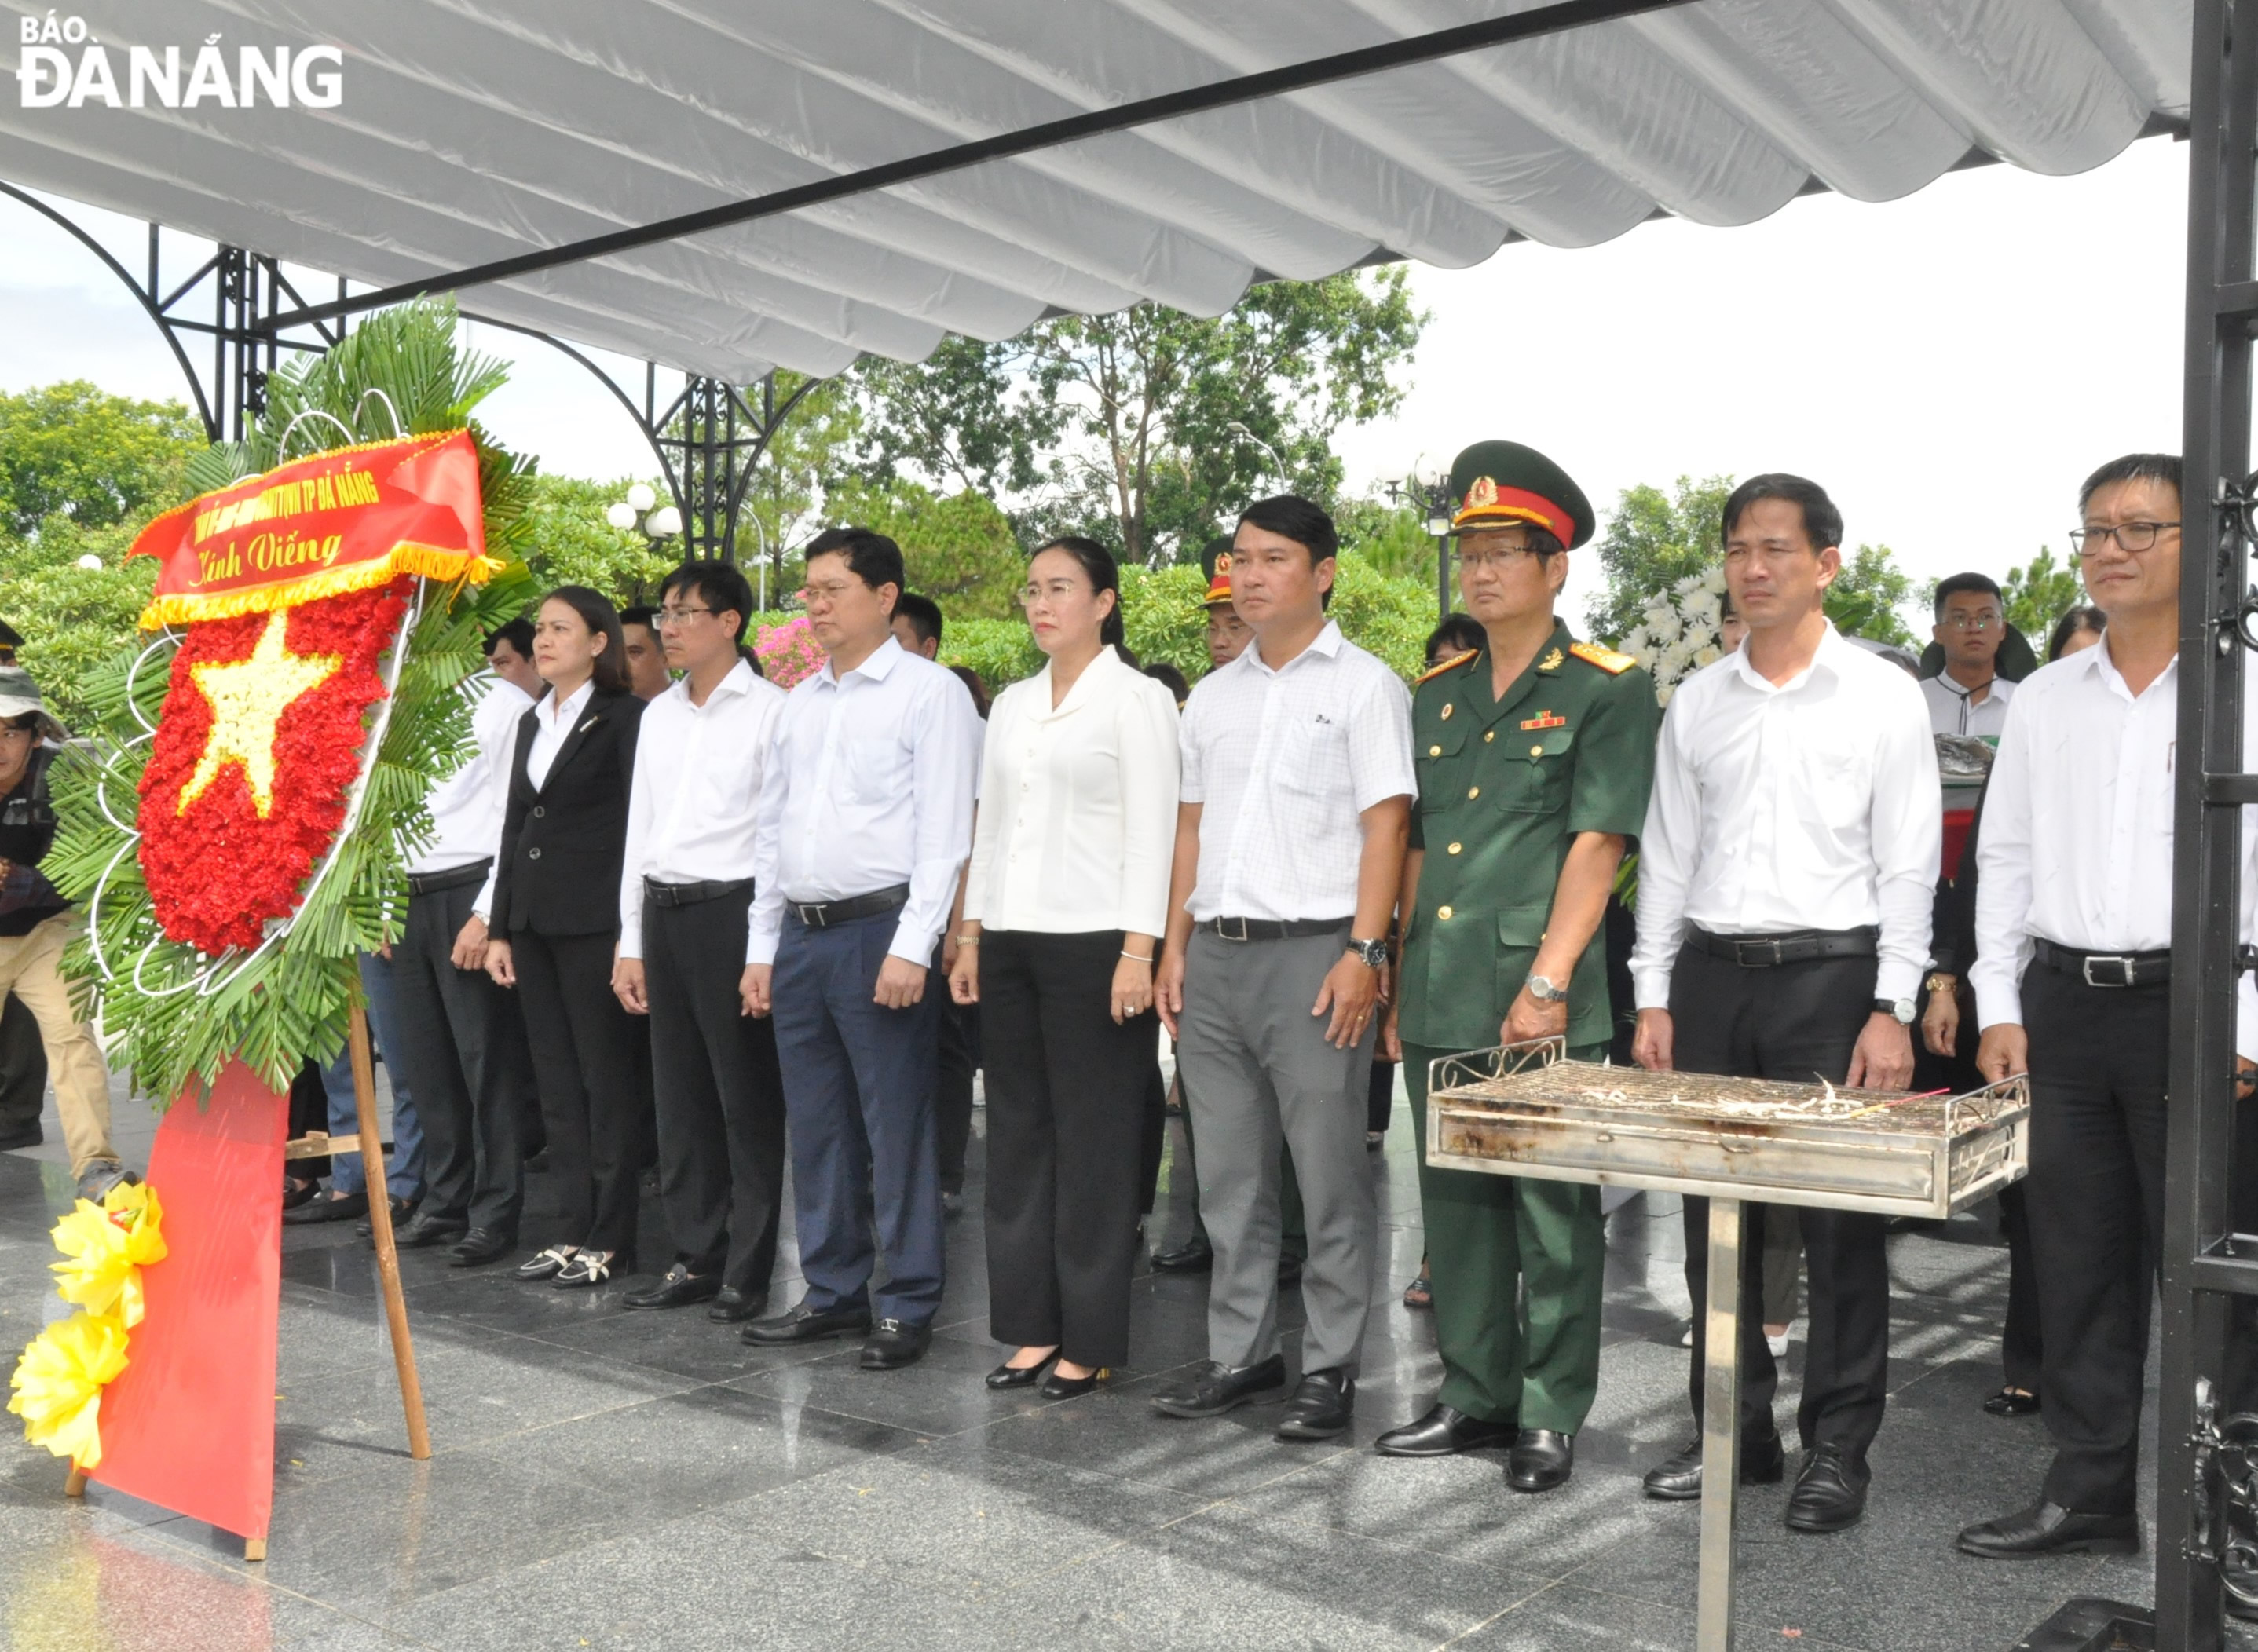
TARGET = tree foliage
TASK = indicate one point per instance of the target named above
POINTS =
(73, 618)
(568, 541)
(75, 452)
(958, 547)
(1864, 598)
(1653, 540)
(2038, 594)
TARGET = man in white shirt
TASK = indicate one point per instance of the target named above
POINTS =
(1969, 697)
(2072, 973)
(685, 892)
(462, 1044)
(1296, 797)
(1785, 878)
(865, 822)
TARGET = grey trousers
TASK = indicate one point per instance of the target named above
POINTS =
(1256, 1068)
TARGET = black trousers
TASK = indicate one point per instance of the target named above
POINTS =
(1380, 1098)
(584, 1060)
(1152, 1139)
(2096, 1201)
(1066, 1103)
(720, 1095)
(22, 1072)
(464, 1057)
(959, 1059)
(1792, 1021)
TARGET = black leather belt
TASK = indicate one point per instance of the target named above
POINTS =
(824, 914)
(453, 877)
(2105, 969)
(692, 894)
(1271, 929)
(1790, 946)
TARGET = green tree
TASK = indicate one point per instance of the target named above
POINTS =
(1157, 425)
(72, 450)
(1391, 539)
(1866, 594)
(2038, 594)
(74, 620)
(958, 547)
(568, 541)
(1654, 539)
(783, 497)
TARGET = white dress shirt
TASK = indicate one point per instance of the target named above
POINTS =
(1284, 762)
(1079, 820)
(1951, 710)
(467, 807)
(1813, 804)
(553, 722)
(2077, 840)
(870, 785)
(697, 790)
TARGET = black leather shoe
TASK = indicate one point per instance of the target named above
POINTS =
(1008, 1376)
(1678, 1479)
(892, 1344)
(1057, 1387)
(1830, 1494)
(1195, 1255)
(480, 1244)
(1445, 1431)
(1541, 1460)
(1289, 1268)
(805, 1324)
(679, 1289)
(1323, 1404)
(1214, 1389)
(424, 1230)
(327, 1209)
(732, 1306)
(2048, 1528)
(2010, 1402)
(401, 1210)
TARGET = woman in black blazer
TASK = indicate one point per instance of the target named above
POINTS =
(556, 922)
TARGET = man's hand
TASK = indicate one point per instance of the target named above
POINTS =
(2005, 1051)
(1351, 988)
(1391, 1036)
(1654, 1044)
(471, 944)
(901, 983)
(1882, 1059)
(627, 985)
(753, 989)
(1939, 1022)
(1527, 1019)
(500, 965)
(1169, 988)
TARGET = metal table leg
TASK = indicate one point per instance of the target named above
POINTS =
(1721, 1424)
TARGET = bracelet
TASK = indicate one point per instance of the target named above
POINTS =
(967, 941)
(1140, 958)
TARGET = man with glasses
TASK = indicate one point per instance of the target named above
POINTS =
(1969, 697)
(685, 888)
(1535, 754)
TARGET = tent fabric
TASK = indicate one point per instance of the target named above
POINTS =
(474, 130)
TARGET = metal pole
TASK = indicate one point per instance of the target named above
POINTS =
(1720, 1425)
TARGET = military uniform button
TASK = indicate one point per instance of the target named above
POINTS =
(1434, 751)
(1443, 912)
(1455, 847)
(1473, 793)
(1489, 736)
(1536, 751)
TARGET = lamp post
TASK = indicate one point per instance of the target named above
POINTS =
(1276, 463)
(634, 511)
(1433, 498)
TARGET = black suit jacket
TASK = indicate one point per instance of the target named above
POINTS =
(561, 845)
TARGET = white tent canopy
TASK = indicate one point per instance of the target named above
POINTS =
(469, 131)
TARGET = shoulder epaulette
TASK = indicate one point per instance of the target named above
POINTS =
(1455, 660)
(1607, 660)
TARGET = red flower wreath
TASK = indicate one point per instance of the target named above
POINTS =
(218, 865)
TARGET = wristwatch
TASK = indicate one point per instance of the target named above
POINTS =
(1899, 1009)
(1542, 989)
(1942, 982)
(1371, 953)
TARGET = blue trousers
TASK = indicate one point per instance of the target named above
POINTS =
(404, 1170)
(858, 1090)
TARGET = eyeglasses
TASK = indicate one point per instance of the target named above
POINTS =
(2132, 536)
(1970, 621)
(1491, 557)
(670, 618)
(828, 591)
(1057, 591)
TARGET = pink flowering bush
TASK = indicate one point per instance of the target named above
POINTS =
(789, 651)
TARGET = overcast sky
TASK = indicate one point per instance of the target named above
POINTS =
(1948, 366)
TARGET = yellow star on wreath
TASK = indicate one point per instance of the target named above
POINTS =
(248, 698)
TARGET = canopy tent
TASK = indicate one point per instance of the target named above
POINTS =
(473, 130)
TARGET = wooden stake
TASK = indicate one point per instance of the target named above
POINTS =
(75, 1485)
(254, 1548)
(387, 1255)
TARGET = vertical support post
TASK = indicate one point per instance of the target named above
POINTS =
(1720, 1425)
(1442, 578)
(380, 1224)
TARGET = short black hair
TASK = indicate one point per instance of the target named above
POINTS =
(1981, 584)
(1170, 678)
(1304, 522)
(1822, 523)
(641, 613)
(720, 586)
(2079, 619)
(517, 633)
(870, 556)
(2134, 467)
(1458, 633)
(923, 613)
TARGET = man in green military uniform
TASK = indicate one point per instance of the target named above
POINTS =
(1534, 756)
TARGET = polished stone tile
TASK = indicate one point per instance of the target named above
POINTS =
(940, 1394)
(1115, 1431)
(1563, 1619)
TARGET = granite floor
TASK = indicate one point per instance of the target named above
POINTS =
(603, 1479)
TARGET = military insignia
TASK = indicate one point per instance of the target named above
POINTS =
(1546, 719)
(1550, 662)
(1223, 562)
(1456, 660)
(1448, 709)
(1607, 660)
(1481, 495)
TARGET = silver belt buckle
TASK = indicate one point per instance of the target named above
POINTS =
(2124, 971)
(811, 913)
(1223, 934)
(1741, 954)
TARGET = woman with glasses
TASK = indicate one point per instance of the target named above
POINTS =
(553, 912)
(1064, 905)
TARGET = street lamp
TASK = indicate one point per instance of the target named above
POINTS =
(1434, 499)
(1276, 463)
(636, 510)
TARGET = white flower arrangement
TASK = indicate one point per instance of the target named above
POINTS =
(1680, 633)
